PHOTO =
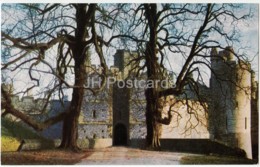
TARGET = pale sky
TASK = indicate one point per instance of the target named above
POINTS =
(250, 39)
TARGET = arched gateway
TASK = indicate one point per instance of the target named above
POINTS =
(120, 135)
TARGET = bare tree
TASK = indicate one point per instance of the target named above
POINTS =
(160, 32)
(53, 42)
(185, 32)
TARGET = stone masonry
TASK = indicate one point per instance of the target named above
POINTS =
(119, 113)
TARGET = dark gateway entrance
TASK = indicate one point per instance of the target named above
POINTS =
(120, 135)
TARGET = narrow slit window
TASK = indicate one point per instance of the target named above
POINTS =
(245, 123)
(94, 114)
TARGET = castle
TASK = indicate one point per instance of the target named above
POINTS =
(117, 114)
(120, 112)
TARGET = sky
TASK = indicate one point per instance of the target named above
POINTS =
(250, 38)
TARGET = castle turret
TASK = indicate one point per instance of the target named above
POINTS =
(241, 124)
(229, 116)
(122, 60)
(214, 57)
(229, 53)
(213, 54)
(221, 94)
(254, 116)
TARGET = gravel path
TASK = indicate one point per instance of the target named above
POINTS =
(131, 156)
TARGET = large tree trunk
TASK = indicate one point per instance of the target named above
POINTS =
(69, 132)
(70, 124)
(79, 51)
(153, 127)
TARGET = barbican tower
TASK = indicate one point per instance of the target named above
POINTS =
(230, 108)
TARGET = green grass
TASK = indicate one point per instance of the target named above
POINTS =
(13, 133)
(17, 130)
(9, 144)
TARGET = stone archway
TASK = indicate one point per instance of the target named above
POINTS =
(120, 135)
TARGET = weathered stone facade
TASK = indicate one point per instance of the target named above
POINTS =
(119, 113)
(254, 116)
(127, 108)
(230, 109)
(226, 118)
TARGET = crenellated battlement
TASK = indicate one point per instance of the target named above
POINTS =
(225, 55)
(30, 105)
(229, 106)
(230, 109)
(112, 70)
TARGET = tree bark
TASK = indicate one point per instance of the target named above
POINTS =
(79, 50)
(70, 124)
(6, 104)
(153, 127)
(153, 130)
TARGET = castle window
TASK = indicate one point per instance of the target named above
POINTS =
(94, 114)
(245, 123)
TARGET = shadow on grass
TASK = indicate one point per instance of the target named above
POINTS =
(43, 157)
(214, 159)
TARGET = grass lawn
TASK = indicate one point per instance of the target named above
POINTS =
(13, 132)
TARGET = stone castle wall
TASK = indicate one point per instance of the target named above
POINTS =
(32, 107)
(130, 111)
(228, 118)
(190, 123)
(230, 109)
